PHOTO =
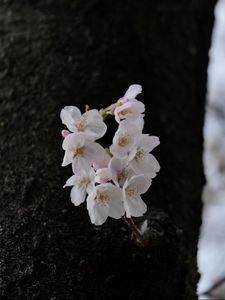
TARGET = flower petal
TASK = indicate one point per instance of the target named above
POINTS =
(79, 164)
(116, 207)
(97, 213)
(133, 91)
(78, 194)
(103, 175)
(139, 183)
(102, 162)
(68, 115)
(134, 207)
(94, 151)
(67, 159)
(149, 142)
(71, 181)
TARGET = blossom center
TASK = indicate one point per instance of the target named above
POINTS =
(124, 112)
(122, 174)
(85, 180)
(131, 192)
(123, 140)
(101, 197)
(140, 153)
(78, 150)
(81, 124)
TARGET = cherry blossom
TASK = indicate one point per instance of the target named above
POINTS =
(141, 161)
(133, 188)
(81, 151)
(128, 107)
(81, 185)
(125, 138)
(103, 202)
(112, 179)
(90, 122)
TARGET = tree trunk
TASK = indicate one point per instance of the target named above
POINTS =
(57, 53)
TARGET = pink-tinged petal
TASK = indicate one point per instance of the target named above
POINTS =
(132, 109)
(116, 113)
(103, 175)
(64, 133)
(102, 162)
(113, 107)
(133, 91)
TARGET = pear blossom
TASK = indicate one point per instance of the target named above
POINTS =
(81, 151)
(125, 138)
(103, 202)
(140, 160)
(132, 189)
(90, 122)
(128, 107)
(81, 185)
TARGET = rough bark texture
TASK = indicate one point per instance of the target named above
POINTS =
(61, 52)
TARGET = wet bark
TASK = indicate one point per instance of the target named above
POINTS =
(56, 53)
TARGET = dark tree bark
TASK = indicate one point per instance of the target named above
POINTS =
(61, 52)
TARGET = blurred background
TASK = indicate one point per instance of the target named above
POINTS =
(211, 255)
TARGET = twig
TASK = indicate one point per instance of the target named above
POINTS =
(134, 229)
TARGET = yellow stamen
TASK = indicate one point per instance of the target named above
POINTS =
(78, 150)
(140, 153)
(131, 192)
(122, 174)
(101, 197)
(85, 180)
(81, 124)
(123, 140)
(124, 112)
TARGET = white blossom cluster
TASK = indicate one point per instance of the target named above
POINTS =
(110, 180)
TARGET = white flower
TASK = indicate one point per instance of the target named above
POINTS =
(128, 107)
(141, 161)
(81, 151)
(133, 188)
(105, 200)
(125, 138)
(90, 122)
(120, 171)
(82, 184)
